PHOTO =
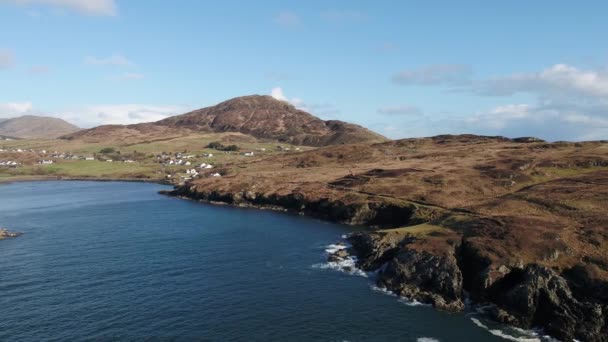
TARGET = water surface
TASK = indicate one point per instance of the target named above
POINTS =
(114, 260)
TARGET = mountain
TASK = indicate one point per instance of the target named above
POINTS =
(31, 127)
(260, 116)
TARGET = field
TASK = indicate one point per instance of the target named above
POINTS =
(143, 153)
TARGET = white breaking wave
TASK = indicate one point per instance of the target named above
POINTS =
(500, 333)
(406, 301)
(333, 248)
(346, 265)
(426, 339)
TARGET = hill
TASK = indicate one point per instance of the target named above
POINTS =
(519, 223)
(260, 116)
(33, 127)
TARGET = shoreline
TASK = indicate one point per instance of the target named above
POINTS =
(436, 279)
(444, 277)
(23, 179)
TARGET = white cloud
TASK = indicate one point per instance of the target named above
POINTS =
(7, 59)
(277, 93)
(287, 19)
(555, 81)
(89, 7)
(94, 115)
(400, 110)
(120, 114)
(437, 74)
(12, 109)
(325, 110)
(551, 122)
(113, 60)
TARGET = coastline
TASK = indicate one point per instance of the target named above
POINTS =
(21, 179)
(443, 275)
(429, 277)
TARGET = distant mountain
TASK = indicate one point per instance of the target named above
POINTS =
(29, 126)
(260, 116)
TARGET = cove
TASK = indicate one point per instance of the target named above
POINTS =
(118, 261)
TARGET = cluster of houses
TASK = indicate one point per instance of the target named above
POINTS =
(176, 158)
(193, 172)
(9, 163)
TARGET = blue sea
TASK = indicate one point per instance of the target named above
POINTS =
(117, 261)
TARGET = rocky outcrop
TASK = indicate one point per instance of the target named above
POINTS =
(526, 296)
(4, 233)
(537, 296)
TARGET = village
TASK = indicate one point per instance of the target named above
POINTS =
(111, 163)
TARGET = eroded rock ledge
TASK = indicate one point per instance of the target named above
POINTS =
(434, 256)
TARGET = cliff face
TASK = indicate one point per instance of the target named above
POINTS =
(519, 225)
(262, 117)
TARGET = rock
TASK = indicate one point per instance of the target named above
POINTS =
(4, 233)
(539, 296)
(425, 277)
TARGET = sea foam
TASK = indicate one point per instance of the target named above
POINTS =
(530, 335)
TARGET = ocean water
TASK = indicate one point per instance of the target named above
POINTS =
(117, 261)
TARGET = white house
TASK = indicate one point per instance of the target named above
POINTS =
(216, 175)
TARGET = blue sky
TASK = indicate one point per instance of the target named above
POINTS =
(402, 68)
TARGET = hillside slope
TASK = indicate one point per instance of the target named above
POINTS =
(260, 116)
(33, 127)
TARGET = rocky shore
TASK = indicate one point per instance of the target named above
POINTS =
(438, 266)
(518, 227)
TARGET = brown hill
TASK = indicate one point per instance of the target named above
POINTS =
(32, 127)
(260, 116)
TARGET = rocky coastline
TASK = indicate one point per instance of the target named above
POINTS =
(440, 266)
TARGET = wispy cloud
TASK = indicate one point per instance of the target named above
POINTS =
(113, 60)
(288, 19)
(402, 110)
(278, 76)
(88, 7)
(343, 16)
(7, 59)
(94, 115)
(39, 70)
(129, 76)
(12, 109)
(557, 80)
(437, 74)
(106, 114)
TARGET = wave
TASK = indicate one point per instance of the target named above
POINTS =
(529, 336)
(426, 339)
(346, 265)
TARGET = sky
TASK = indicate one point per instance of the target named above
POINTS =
(401, 68)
